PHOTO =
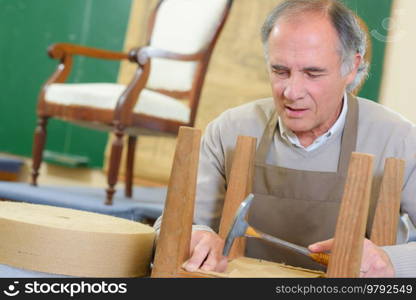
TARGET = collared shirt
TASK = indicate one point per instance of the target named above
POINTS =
(292, 139)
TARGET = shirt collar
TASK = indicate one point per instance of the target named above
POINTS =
(292, 139)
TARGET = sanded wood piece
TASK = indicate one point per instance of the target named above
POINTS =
(246, 267)
(72, 242)
(386, 218)
(238, 187)
(175, 232)
(347, 250)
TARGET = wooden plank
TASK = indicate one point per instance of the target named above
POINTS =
(175, 234)
(349, 234)
(386, 218)
(239, 186)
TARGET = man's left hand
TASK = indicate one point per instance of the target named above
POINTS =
(374, 263)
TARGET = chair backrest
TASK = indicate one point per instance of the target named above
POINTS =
(184, 27)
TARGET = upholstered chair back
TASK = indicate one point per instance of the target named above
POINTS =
(184, 27)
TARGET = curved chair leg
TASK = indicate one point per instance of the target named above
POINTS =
(131, 148)
(38, 145)
(115, 158)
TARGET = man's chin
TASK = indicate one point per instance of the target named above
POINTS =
(297, 126)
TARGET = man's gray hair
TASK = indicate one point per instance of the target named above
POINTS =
(352, 38)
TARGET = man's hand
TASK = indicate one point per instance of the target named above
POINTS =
(206, 252)
(374, 263)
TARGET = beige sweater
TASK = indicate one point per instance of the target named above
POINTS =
(382, 133)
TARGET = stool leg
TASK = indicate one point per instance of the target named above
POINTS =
(175, 234)
(386, 219)
(346, 253)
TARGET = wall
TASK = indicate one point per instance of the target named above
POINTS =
(398, 85)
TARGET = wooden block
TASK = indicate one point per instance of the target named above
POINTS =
(347, 250)
(175, 233)
(386, 218)
(239, 186)
(72, 242)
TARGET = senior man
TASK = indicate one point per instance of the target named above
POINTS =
(305, 135)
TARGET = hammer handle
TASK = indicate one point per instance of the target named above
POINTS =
(322, 258)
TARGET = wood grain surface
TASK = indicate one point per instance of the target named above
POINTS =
(175, 233)
(386, 219)
(347, 250)
(238, 187)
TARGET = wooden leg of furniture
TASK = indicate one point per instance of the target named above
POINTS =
(386, 218)
(131, 148)
(115, 158)
(175, 234)
(238, 187)
(347, 250)
(38, 145)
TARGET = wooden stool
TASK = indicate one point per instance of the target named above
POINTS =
(174, 240)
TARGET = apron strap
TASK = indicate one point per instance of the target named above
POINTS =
(267, 138)
(349, 135)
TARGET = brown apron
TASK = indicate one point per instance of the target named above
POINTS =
(294, 205)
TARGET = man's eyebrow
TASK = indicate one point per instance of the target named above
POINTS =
(314, 69)
(307, 69)
(279, 67)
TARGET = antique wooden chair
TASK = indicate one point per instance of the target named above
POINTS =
(162, 96)
(174, 239)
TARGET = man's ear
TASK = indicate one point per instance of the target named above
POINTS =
(351, 75)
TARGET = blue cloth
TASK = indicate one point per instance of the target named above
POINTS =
(11, 165)
(147, 202)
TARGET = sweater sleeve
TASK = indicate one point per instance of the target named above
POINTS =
(403, 258)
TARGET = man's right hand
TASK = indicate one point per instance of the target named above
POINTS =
(206, 252)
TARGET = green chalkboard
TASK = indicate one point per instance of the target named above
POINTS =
(27, 28)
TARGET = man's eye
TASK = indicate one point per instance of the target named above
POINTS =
(281, 73)
(313, 75)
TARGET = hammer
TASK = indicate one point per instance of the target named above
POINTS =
(241, 228)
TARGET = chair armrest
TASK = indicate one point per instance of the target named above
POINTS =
(65, 52)
(60, 50)
(141, 55)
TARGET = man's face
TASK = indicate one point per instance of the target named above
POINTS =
(305, 73)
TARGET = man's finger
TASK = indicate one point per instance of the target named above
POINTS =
(212, 261)
(321, 246)
(198, 256)
(222, 266)
(196, 237)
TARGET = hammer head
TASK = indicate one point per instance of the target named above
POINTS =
(239, 225)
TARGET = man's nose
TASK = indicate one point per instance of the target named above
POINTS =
(295, 88)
